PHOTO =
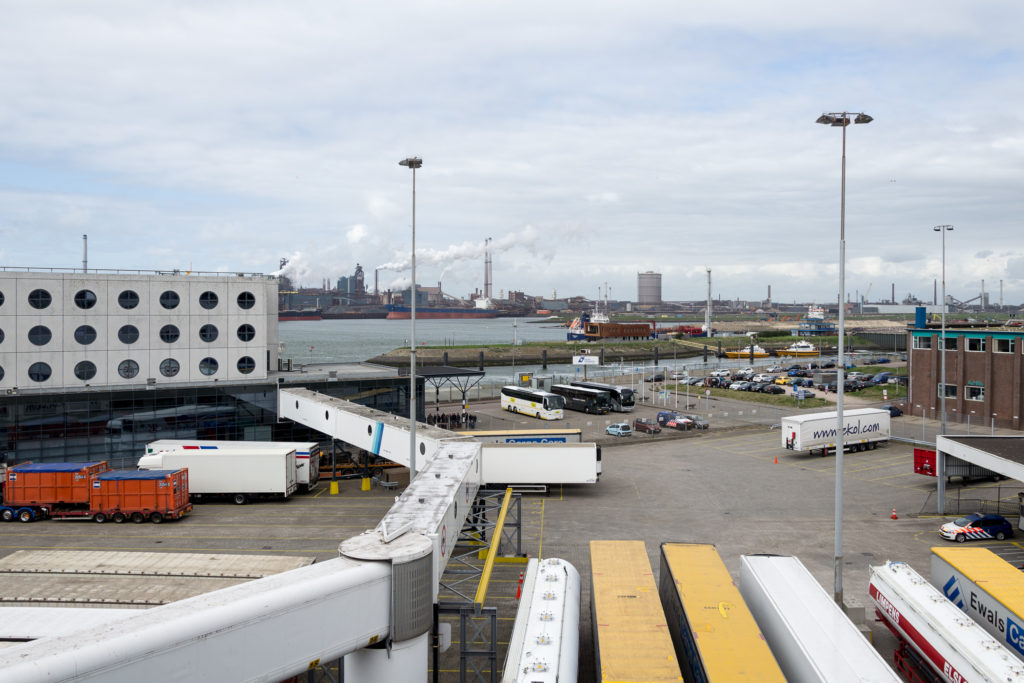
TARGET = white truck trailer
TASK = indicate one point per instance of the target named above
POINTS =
(240, 475)
(933, 632)
(863, 429)
(560, 463)
(307, 453)
(985, 586)
(812, 639)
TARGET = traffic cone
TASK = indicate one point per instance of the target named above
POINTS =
(776, 460)
(519, 589)
(894, 514)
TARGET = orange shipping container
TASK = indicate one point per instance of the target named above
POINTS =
(51, 483)
(155, 495)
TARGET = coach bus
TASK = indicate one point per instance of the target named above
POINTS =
(631, 642)
(714, 633)
(584, 400)
(622, 398)
(541, 404)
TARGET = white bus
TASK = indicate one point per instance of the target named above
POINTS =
(540, 404)
(623, 399)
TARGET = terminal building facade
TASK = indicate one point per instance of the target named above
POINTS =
(94, 365)
(984, 375)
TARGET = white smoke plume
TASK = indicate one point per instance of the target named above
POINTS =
(296, 269)
(528, 238)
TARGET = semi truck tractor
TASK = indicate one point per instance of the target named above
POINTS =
(985, 586)
(240, 475)
(863, 429)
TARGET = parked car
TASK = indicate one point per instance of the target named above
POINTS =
(656, 377)
(646, 425)
(977, 526)
(783, 380)
(698, 421)
(678, 374)
(894, 411)
(721, 373)
(681, 423)
(882, 359)
(619, 429)
(774, 368)
(828, 364)
(856, 374)
(748, 370)
(761, 377)
(757, 386)
(736, 385)
(807, 393)
(695, 380)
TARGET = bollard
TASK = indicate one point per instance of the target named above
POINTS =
(334, 488)
(366, 484)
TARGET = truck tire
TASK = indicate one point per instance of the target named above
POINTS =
(25, 516)
(99, 518)
(239, 499)
(138, 517)
(7, 515)
(118, 518)
(156, 517)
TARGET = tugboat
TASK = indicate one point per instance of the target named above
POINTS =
(745, 352)
(800, 348)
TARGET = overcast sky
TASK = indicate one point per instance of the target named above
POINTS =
(590, 140)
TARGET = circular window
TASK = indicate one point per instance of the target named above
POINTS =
(246, 365)
(1, 336)
(245, 300)
(1, 374)
(169, 334)
(208, 300)
(129, 334)
(208, 333)
(39, 372)
(128, 369)
(39, 298)
(170, 299)
(40, 335)
(208, 366)
(239, 301)
(85, 298)
(85, 335)
(169, 367)
(246, 332)
(128, 299)
(85, 370)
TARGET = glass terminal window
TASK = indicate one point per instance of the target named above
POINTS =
(208, 366)
(85, 370)
(246, 300)
(85, 298)
(169, 334)
(39, 372)
(246, 332)
(169, 367)
(208, 300)
(170, 299)
(128, 299)
(246, 365)
(40, 335)
(39, 298)
(85, 335)
(128, 369)
(128, 334)
(208, 333)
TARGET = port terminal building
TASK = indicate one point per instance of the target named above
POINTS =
(95, 364)
(984, 374)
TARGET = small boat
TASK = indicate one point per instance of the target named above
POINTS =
(745, 352)
(800, 348)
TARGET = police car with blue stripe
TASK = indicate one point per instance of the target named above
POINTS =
(975, 527)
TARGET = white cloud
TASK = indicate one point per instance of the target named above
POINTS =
(629, 136)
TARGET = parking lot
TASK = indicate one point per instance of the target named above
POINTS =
(732, 486)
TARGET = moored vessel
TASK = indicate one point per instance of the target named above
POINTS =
(800, 348)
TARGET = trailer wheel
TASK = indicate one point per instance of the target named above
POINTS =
(960, 538)
(25, 516)
(99, 518)
(7, 515)
(239, 499)
(156, 518)
(118, 518)
(138, 517)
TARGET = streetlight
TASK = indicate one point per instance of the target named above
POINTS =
(940, 471)
(413, 163)
(841, 120)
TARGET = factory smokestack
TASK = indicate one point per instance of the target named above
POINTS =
(85, 253)
(488, 282)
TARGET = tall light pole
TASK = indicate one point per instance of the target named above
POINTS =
(413, 163)
(940, 461)
(841, 120)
